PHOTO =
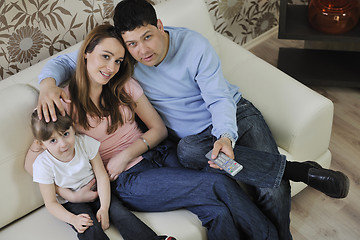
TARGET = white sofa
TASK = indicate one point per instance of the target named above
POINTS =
(300, 120)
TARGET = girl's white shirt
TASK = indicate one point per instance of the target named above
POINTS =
(73, 174)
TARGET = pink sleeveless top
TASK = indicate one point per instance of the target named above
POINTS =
(125, 135)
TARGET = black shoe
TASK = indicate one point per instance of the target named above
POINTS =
(335, 184)
(166, 238)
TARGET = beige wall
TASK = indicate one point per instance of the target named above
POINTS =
(32, 30)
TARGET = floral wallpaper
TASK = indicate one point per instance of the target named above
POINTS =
(32, 30)
(243, 20)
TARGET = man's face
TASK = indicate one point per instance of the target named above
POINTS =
(147, 44)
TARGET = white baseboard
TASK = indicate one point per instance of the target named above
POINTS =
(263, 37)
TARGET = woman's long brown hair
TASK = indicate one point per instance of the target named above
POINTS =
(113, 94)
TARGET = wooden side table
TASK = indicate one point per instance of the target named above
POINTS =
(315, 66)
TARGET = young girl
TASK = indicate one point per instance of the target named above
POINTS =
(71, 161)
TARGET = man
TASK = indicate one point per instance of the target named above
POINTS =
(181, 75)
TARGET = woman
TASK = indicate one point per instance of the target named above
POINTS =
(102, 61)
(134, 163)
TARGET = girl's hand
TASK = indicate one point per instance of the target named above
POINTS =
(102, 216)
(81, 222)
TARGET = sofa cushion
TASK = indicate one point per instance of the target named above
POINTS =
(41, 225)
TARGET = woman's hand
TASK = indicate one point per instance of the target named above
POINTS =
(81, 222)
(102, 216)
(49, 97)
(154, 135)
(85, 194)
(117, 165)
(34, 151)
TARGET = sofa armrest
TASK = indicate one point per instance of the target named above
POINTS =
(19, 194)
(299, 118)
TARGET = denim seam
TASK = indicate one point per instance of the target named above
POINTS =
(281, 171)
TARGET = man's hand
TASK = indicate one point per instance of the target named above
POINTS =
(221, 145)
(49, 95)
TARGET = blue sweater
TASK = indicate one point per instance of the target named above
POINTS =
(187, 88)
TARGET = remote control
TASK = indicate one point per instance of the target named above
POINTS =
(229, 165)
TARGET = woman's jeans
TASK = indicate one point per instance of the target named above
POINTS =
(257, 151)
(222, 207)
(129, 226)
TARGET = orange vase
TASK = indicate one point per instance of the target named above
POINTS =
(333, 16)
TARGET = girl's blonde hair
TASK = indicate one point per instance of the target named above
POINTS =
(43, 131)
(113, 94)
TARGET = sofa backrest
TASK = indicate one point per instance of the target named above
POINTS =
(192, 14)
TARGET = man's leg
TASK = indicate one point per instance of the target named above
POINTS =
(257, 151)
(220, 204)
(261, 169)
(254, 133)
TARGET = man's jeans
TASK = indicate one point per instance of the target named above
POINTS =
(257, 151)
(226, 211)
(129, 226)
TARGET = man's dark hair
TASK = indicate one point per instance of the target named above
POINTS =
(131, 14)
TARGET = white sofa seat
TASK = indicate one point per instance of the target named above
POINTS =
(299, 118)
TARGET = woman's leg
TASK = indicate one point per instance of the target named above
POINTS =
(94, 232)
(220, 204)
(129, 226)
